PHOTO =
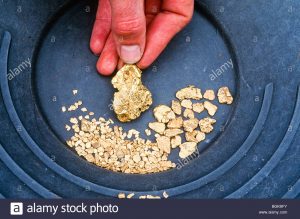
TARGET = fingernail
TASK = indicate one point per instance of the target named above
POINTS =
(130, 54)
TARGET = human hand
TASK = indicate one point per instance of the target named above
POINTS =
(136, 31)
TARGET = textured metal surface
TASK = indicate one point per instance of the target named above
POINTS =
(255, 152)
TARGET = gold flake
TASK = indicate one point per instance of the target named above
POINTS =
(136, 158)
(72, 108)
(165, 194)
(130, 195)
(187, 104)
(190, 124)
(148, 132)
(172, 132)
(175, 123)
(175, 141)
(74, 120)
(187, 149)
(163, 113)
(211, 108)
(190, 92)
(68, 128)
(198, 107)
(188, 113)
(121, 195)
(158, 127)
(225, 96)
(164, 144)
(209, 95)
(176, 107)
(90, 158)
(206, 124)
(194, 136)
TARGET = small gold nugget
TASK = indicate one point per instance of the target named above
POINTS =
(132, 97)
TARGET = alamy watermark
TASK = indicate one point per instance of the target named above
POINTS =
(14, 72)
(219, 71)
(183, 162)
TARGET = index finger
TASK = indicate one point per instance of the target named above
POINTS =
(174, 15)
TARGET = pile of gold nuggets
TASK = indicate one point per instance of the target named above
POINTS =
(107, 145)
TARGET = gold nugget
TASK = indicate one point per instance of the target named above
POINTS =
(132, 97)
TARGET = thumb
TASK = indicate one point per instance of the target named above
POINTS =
(129, 29)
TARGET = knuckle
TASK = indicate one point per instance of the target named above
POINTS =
(187, 19)
(184, 20)
(129, 26)
(187, 11)
(188, 15)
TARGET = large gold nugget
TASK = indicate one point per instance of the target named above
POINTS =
(132, 97)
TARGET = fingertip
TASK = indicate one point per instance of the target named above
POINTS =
(96, 46)
(106, 67)
(143, 64)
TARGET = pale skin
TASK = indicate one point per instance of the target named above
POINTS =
(136, 31)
